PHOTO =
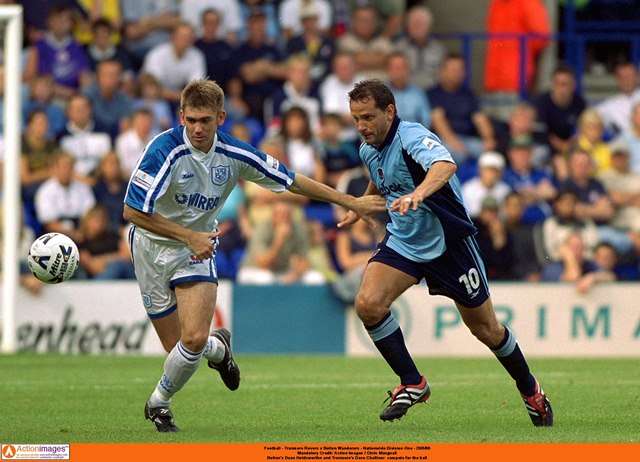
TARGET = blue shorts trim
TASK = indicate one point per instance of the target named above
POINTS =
(458, 273)
(196, 278)
(162, 314)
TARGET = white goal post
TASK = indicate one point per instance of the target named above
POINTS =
(11, 202)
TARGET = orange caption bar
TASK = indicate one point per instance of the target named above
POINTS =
(370, 452)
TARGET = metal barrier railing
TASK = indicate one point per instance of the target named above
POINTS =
(575, 47)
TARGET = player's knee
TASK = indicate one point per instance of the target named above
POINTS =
(195, 341)
(370, 307)
(488, 333)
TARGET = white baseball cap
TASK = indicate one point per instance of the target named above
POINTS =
(491, 159)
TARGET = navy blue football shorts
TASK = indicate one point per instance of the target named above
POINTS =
(458, 273)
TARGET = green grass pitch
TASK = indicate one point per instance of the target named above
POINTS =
(59, 399)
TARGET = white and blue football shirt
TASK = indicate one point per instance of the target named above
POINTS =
(189, 187)
(396, 168)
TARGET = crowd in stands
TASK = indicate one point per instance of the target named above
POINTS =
(554, 190)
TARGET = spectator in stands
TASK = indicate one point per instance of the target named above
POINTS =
(594, 202)
(502, 69)
(59, 55)
(272, 22)
(299, 144)
(81, 141)
(260, 201)
(557, 228)
(175, 63)
(238, 112)
(312, 42)
(102, 48)
(234, 227)
(61, 201)
(90, 11)
(37, 152)
(109, 190)
(391, 12)
(291, 12)
(338, 155)
(298, 90)
(41, 98)
(589, 139)
(534, 185)
(521, 125)
(258, 65)
(411, 102)
(488, 183)
(217, 52)
(632, 139)
(615, 111)
(363, 41)
(110, 104)
(354, 247)
(335, 87)
(425, 53)
(147, 23)
(493, 241)
(277, 252)
(605, 259)
(558, 109)
(131, 143)
(192, 11)
(525, 259)
(150, 97)
(624, 189)
(456, 115)
(572, 264)
(103, 255)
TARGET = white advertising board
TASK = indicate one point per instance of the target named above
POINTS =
(95, 317)
(548, 319)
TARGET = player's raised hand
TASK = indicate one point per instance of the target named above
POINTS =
(202, 244)
(409, 201)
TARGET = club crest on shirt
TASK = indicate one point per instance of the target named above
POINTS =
(220, 174)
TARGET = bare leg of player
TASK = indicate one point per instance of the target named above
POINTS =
(196, 302)
(381, 285)
(484, 325)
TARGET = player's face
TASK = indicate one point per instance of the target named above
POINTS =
(201, 125)
(371, 122)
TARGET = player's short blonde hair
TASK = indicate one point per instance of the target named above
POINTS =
(202, 93)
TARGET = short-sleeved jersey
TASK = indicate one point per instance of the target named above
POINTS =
(189, 187)
(396, 168)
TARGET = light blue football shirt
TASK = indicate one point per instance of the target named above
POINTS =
(396, 168)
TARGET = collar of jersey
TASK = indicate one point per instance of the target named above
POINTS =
(196, 151)
(392, 133)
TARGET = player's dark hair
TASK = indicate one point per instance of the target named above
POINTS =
(202, 93)
(374, 89)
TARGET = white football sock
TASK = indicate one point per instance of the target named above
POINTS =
(178, 369)
(214, 350)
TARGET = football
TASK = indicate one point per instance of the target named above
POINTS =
(53, 258)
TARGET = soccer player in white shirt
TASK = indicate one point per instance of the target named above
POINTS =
(175, 193)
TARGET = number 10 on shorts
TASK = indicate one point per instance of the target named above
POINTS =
(471, 280)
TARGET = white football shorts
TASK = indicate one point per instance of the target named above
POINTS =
(160, 267)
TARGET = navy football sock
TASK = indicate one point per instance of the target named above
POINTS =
(512, 359)
(387, 337)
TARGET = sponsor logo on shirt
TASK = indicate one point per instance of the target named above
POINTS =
(142, 179)
(197, 200)
(186, 175)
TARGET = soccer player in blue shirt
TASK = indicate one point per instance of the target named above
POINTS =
(430, 236)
